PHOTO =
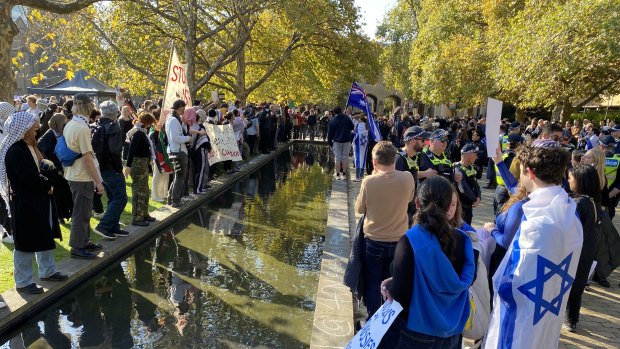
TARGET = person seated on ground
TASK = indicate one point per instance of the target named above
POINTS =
(27, 183)
(431, 255)
(383, 197)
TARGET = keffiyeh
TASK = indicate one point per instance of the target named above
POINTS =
(14, 129)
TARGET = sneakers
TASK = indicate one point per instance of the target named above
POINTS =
(338, 176)
(122, 233)
(150, 219)
(98, 215)
(30, 289)
(105, 233)
(208, 186)
(569, 326)
(57, 276)
(177, 204)
(82, 253)
(8, 239)
(91, 246)
(601, 281)
(140, 223)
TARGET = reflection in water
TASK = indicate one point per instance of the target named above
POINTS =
(239, 272)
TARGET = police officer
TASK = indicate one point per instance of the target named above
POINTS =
(407, 158)
(468, 188)
(514, 128)
(612, 162)
(501, 193)
(433, 161)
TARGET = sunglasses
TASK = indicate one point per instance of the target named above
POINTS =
(443, 139)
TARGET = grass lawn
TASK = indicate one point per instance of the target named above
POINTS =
(62, 247)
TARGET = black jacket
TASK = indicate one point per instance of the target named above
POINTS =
(354, 275)
(29, 198)
(115, 140)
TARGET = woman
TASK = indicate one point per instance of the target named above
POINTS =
(126, 123)
(584, 183)
(47, 143)
(596, 159)
(200, 146)
(139, 156)
(6, 109)
(432, 254)
(159, 191)
(360, 143)
(26, 183)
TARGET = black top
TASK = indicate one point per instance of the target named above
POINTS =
(125, 125)
(111, 159)
(139, 147)
(585, 210)
(403, 266)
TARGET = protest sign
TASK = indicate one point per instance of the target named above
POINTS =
(223, 143)
(493, 120)
(176, 82)
(370, 335)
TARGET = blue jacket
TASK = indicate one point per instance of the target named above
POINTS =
(340, 130)
(440, 297)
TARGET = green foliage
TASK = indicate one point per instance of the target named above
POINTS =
(596, 116)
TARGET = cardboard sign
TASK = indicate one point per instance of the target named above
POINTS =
(371, 334)
(494, 118)
(223, 143)
(214, 96)
(176, 82)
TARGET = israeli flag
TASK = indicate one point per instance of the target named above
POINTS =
(533, 281)
(360, 145)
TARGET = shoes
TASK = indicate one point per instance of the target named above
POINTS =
(98, 215)
(2, 305)
(8, 239)
(82, 253)
(140, 223)
(57, 276)
(122, 233)
(569, 326)
(30, 289)
(490, 186)
(338, 176)
(203, 192)
(601, 281)
(150, 219)
(177, 204)
(105, 233)
(208, 186)
(91, 246)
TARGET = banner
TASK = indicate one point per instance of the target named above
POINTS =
(370, 335)
(176, 82)
(493, 120)
(223, 143)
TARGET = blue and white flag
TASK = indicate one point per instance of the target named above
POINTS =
(360, 145)
(533, 281)
(357, 99)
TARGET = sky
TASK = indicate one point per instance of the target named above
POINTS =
(372, 12)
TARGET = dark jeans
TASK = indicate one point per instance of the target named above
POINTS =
(491, 172)
(116, 192)
(378, 257)
(251, 139)
(415, 340)
(468, 213)
(97, 203)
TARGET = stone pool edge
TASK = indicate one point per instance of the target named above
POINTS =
(20, 307)
(333, 315)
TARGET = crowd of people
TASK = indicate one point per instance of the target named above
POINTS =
(81, 151)
(556, 189)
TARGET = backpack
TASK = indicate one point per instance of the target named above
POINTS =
(99, 143)
(66, 156)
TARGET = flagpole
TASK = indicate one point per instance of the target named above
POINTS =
(349, 98)
(168, 73)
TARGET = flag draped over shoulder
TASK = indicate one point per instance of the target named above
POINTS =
(360, 145)
(357, 99)
(533, 281)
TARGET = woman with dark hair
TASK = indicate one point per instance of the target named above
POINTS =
(47, 143)
(432, 255)
(585, 184)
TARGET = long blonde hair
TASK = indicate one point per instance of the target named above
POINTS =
(599, 164)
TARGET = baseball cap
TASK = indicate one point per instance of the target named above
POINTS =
(440, 135)
(469, 148)
(616, 127)
(608, 140)
(515, 138)
(415, 132)
(179, 103)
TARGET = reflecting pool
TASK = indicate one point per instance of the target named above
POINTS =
(239, 272)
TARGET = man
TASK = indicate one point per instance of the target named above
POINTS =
(32, 105)
(109, 136)
(339, 137)
(178, 138)
(468, 188)
(533, 281)
(514, 128)
(501, 192)
(383, 198)
(433, 161)
(312, 121)
(612, 162)
(552, 131)
(407, 158)
(83, 177)
(251, 128)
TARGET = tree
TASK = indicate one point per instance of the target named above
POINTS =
(8, 30)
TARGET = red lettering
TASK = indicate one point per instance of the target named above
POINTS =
(178, 74)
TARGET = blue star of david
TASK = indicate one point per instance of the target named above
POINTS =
(542, 306)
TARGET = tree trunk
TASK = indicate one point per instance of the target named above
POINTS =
(241, 92)
(8, 30)
(567, 110)
(520, 115)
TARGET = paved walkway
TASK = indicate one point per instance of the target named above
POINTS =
(599, 325)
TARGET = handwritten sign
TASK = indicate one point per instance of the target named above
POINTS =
(370, 335)
(176, 82)
(223, 143)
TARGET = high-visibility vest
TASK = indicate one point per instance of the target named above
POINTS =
(412, 164)
(611, 168)
(504, 142)
(441, 164)
(470, 172)
(505, 156)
